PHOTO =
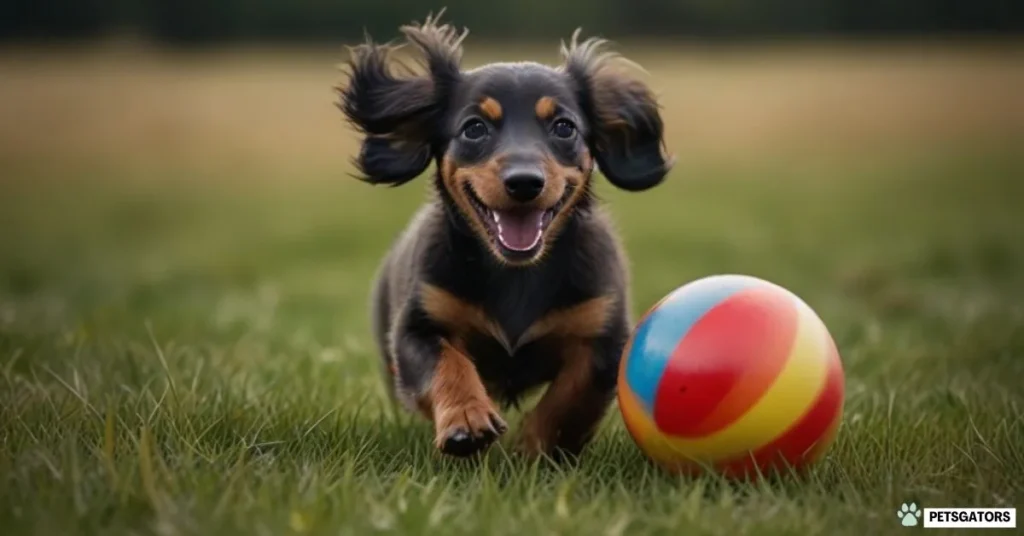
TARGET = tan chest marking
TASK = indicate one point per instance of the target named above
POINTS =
(582, 321)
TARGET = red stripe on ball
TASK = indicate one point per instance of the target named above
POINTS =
(726, 362)
(799, 444)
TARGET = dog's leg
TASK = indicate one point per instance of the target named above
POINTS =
(437, 377)
(465, 418)
(567, 415)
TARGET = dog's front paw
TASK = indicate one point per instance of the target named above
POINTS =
(468, 429)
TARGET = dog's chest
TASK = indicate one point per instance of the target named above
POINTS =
(515, 304)
(509, 376)
(510, 307)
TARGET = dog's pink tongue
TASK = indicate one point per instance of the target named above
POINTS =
(519, 231)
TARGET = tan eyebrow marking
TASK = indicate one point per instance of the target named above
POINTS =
(545, 107)
(490, 108)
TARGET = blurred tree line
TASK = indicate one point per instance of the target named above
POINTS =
(206, 21)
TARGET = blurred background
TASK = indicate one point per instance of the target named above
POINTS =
(118, 118)
(197, 83)
(153, 151)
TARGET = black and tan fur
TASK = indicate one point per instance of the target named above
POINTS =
(466, 324)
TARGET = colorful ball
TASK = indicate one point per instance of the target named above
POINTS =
(734, 374)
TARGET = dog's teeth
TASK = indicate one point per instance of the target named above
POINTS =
(536, 240)
(497, 219)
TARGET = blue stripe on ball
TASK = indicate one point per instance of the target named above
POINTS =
(659, 335)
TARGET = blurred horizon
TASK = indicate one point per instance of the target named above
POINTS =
(194, 22)
(269, 111)
(96, 89)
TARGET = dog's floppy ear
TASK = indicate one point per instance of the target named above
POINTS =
(626, 129)
(399, 114)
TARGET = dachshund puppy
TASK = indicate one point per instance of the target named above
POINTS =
(510, 277)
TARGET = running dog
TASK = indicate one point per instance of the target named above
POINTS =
(511, 276)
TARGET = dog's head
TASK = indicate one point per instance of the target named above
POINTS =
(515, 143)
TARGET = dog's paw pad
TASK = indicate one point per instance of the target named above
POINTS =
(459, 443)
(468, 430)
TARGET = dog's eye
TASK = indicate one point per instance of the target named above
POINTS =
(474, 130)
(563, 128)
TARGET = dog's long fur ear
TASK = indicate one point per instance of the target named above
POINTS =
(626, 130)
(399, 114)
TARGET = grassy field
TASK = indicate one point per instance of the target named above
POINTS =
(184, 266)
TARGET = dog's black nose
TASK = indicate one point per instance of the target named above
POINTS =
(524, 185)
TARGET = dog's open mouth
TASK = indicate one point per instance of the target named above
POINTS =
(518, 231)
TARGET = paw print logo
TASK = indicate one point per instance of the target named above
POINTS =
(909, 514)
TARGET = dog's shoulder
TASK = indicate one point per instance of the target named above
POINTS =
(599, 255)
(601, 268)
(424, 231)
(409, 255)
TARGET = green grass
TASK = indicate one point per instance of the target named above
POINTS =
(196, 359)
